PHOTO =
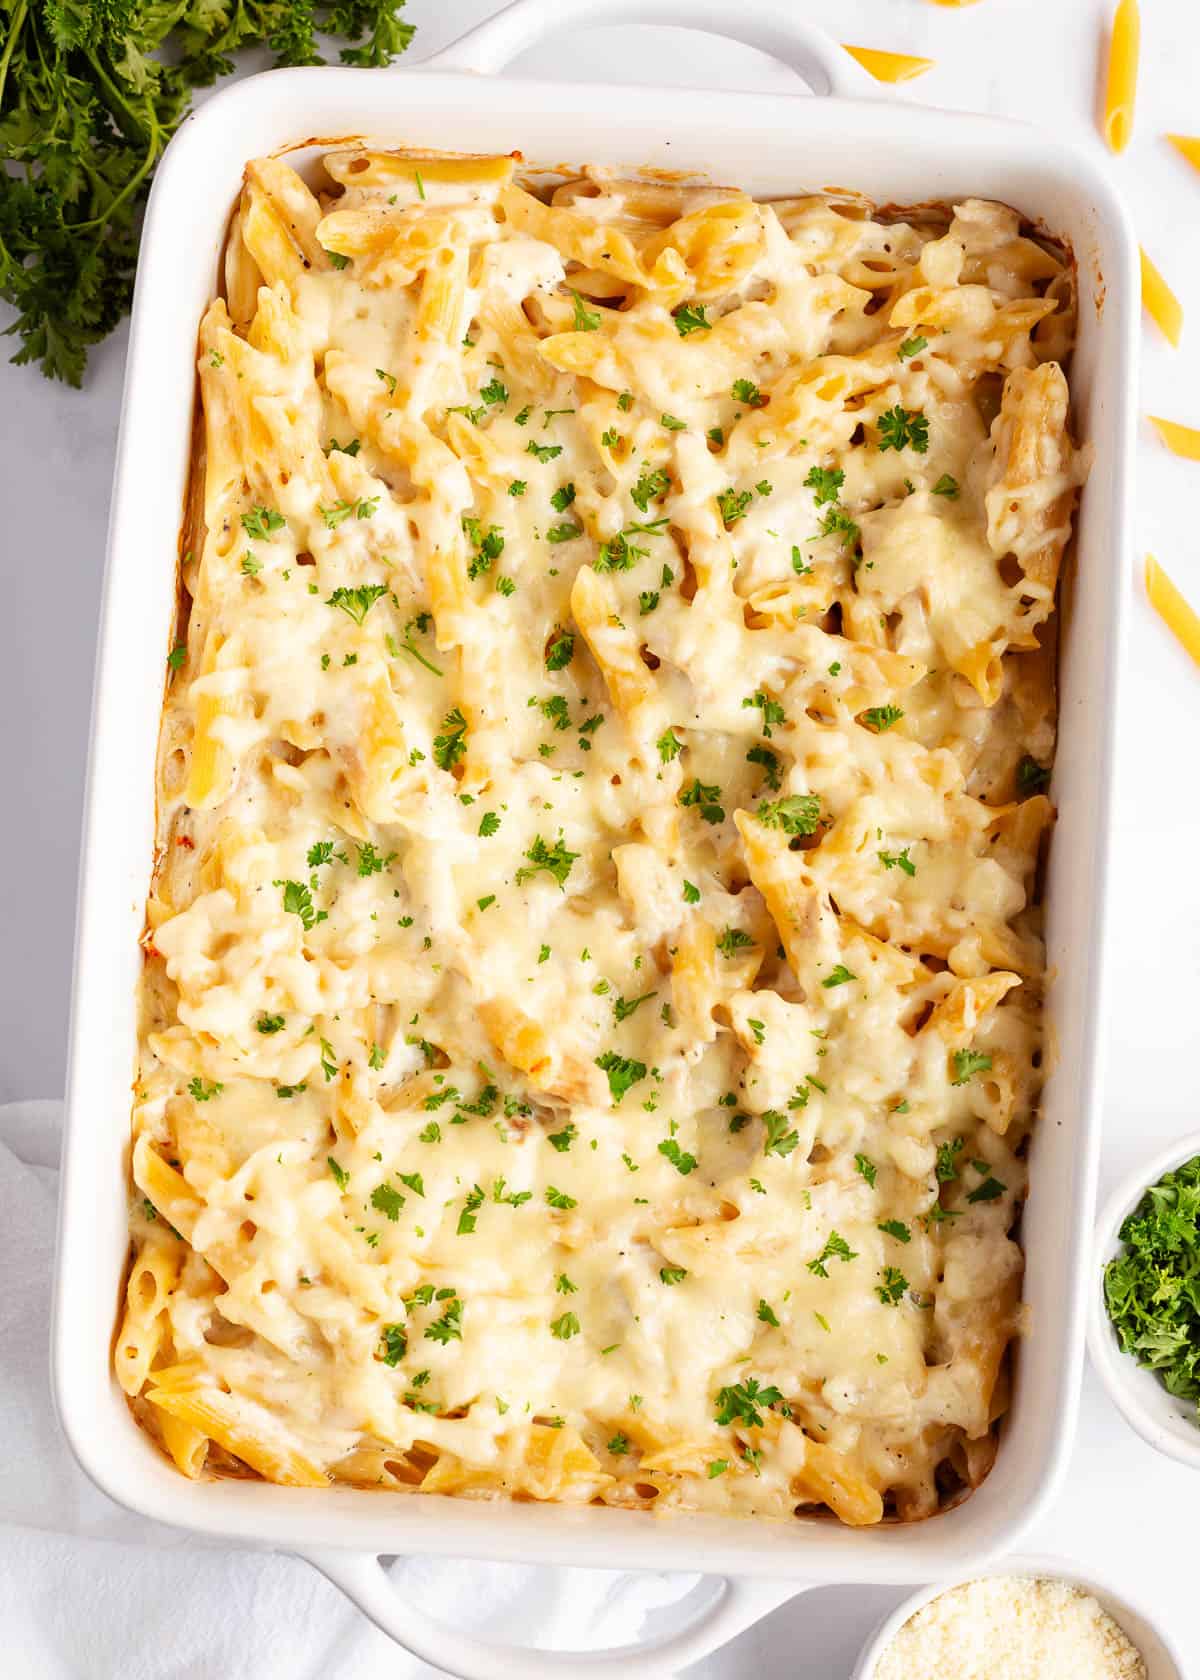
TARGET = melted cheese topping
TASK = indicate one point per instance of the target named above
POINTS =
(591, 1011)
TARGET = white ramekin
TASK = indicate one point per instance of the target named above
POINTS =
(1163, 1660)
(1162, 1420)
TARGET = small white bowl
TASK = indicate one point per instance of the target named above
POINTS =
(1163, 1421)
(1163, 1661)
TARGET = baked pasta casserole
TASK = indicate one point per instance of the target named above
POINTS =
(592, 991)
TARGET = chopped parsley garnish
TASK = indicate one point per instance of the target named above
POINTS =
(1150, 1287)
(1031, 776)
(691, 894)
(896, 1228)
(560, 1199)
(891, 1290)
(967, 1063)
(489, 824)
(897, 860)
(261, 521)
(560, 649)
(745, 1402)
(838, 976)
(836, 1248)
(733, 505)
(705, 796)
(769, 761)
(586, 320)
(947, 1160)
(669, 746)
(623, 1008)
(449, 1326)
(672, 1274)
(386, 1200)
(746, 391)
(881, 718)
(340, 1176)
(766, 1314)
(648, 600)
(772, 712)
(618, 554)
(389, 379)
(357, 603)
(370, 862)
(565, 1327)
(622, 1071)
(566, 532)
(825, 483)
(393, 1344)
(733, 939)
(297, 901)
(911, 347)
(556, 860)
(671, 424)
(451, 744)
(471, 1206)
(797, 813)
(269, 1023)
(836, 522)
(650, 487)
(989, 1191)
(779, 1138)
(489, 546)
(562, 498)
(543, 451)
(867, 1168)
(691, 318)
(204, 1090)
(679, 1158)
(563, 1140)
(903, 428)
(946, 486)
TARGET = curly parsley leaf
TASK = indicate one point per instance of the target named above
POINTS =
(91, 91)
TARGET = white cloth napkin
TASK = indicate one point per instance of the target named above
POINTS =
(90, 1592)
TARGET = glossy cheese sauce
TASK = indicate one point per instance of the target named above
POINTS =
(592, 1007)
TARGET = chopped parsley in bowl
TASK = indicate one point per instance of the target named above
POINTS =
(1143, 1327)
(1152, 1286)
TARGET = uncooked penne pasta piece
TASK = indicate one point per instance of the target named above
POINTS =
(1120, 93)
(1173, 608)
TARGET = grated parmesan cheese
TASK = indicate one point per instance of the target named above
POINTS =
(1011, 1628)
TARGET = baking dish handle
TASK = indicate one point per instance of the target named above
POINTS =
(736, 1605)
(772, 26)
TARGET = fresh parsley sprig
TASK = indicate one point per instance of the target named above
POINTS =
(90, 93)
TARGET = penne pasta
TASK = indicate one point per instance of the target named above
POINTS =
(1173, 608)
(889, 66)
(591, 1011)
(1160, 303)
(1180, 440)
(1120, 94)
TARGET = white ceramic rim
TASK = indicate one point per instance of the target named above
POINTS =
(1158, 1417)
(346, 1545)
(1130, 1615)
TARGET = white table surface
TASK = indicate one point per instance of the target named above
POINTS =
(1125, 1512)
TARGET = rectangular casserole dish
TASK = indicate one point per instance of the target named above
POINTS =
(772, 146)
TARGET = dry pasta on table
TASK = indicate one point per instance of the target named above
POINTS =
(591, 1019)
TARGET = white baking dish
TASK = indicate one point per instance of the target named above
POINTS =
(771, 145)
